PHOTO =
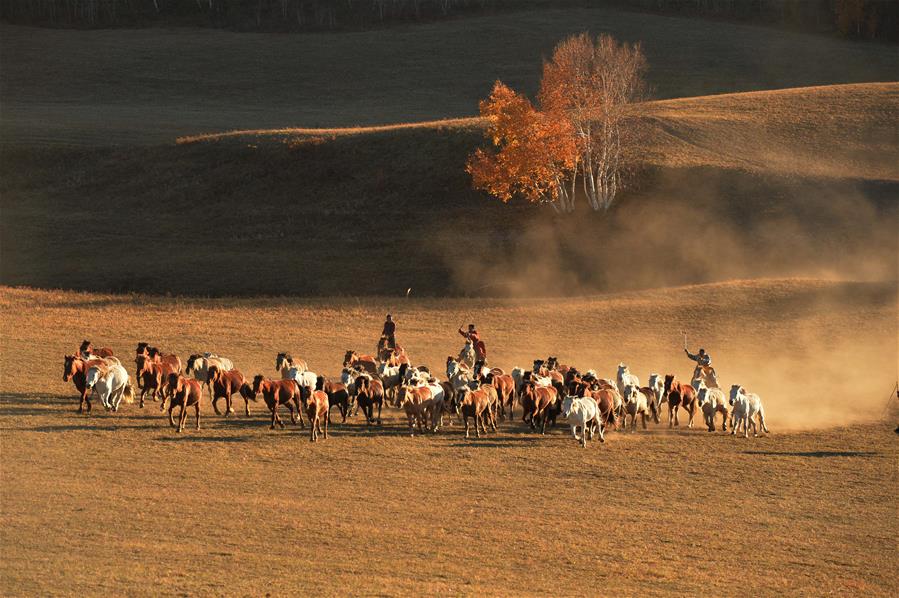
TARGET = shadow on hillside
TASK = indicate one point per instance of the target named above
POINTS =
(817, 454)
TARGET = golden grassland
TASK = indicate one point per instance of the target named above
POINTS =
(118, 503)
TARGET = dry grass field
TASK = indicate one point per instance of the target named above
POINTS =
(120, 504)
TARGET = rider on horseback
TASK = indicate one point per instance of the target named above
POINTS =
(703, 361)
(480, 349)
(389, 332)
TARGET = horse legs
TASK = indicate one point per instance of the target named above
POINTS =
(171, 419)
(274, 414)
(326, 429)
(182, 416)
(692, 411)
(312, 434)
(643, 416)
(477, 422)
(197, 409)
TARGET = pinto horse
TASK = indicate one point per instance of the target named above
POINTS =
(224, 385)
(151, 376)
(678, 395)
(285, 361)
(361, 362)
(279, 392)
(184, 392)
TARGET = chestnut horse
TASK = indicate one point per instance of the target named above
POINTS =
(679, 394)
(317, 409)
(605, 401)
(76, 368)
(156, 355)
(361, 362)
(152, 375)
(185, 392)
(505, 390)
(87, 351)
(224, 384)
(475, 404)
(543, 403)
(279, 392)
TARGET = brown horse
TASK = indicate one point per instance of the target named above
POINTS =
(415, 401)
(605, 402)
(151, 376)
(279, 392)
(678, 395)
(184, 392)
(338, 395)
(369, 392)
(156, 355)
(475, 404)
(361, 362)
(317, 409)
(543, 402)
(87, 351)
(505, 390)
(224, 385)
(76, 368)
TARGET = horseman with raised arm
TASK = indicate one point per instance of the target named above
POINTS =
(480, 349)
(704, 367)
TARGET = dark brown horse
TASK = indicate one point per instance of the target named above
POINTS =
(317, 410)
(184, 392)
(279, 392)
(337, 395)
(679, 395)
(223, 386)
(152, 374)
(541, 403)
(369, 392)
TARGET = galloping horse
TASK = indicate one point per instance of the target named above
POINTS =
(155, 354)
(364, 362)
(185, 392)
(285, 361)
(87, 351)
(224, 385)
(110, 381)
(198, 365)
(317, 409)
(279, 392)
(76, 368)
(369, 392)
(151, 376)
(679, 395)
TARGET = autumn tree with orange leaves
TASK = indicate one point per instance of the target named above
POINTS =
(583, 138)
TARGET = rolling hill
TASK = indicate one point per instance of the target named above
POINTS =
(799, 181)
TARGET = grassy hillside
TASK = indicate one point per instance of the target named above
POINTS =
(148, 86)
(369, 506)
(734, 186)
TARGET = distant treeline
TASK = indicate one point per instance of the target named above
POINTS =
(862, 19)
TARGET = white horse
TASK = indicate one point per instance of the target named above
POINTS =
(198, 365)
(584, 414)
(635, 403)
(305, 379)
(625, 378)
(466, 355)
(111, 383)
(458, 376)
(745, 408)
(657, 384)
(712, 401)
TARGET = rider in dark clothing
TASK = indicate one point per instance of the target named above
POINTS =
(389, 331)
(702, 358)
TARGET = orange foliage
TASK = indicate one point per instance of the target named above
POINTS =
(535, 152)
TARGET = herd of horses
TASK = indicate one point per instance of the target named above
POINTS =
(591, 404)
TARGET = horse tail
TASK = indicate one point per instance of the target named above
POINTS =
(128, 395)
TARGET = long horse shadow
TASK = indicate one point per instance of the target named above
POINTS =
(816, 454)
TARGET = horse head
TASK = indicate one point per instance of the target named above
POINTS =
(213, 373)
(735, 391)
(257, 383)
(69, 369)
(349, 358)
